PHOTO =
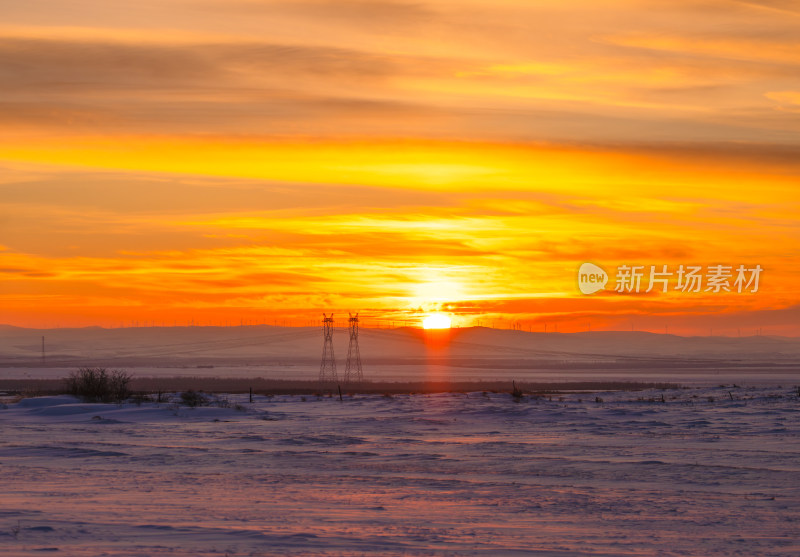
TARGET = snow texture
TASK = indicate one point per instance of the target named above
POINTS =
(711, 471)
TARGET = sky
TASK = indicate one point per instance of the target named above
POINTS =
(227, 162)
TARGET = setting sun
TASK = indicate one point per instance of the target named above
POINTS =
(436, 321)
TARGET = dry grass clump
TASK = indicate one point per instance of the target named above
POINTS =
(194, 399)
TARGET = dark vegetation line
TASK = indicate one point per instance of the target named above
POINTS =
(263, 386)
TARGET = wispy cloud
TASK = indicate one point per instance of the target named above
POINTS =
(393, 155)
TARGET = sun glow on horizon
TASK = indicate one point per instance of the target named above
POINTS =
(436, 321)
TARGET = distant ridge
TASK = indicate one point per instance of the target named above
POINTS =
(260, 343)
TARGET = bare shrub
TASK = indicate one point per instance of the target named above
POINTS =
(97, 384)
(193, 399)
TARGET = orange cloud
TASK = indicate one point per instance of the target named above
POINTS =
(253, 159)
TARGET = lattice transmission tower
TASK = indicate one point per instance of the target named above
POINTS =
(327, 368)
(352, 371)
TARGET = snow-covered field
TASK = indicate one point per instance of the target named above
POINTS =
(420, 474)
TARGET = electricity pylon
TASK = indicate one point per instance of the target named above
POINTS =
(352, 371)
(327, 368)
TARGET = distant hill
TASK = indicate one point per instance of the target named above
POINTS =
(275, 344)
